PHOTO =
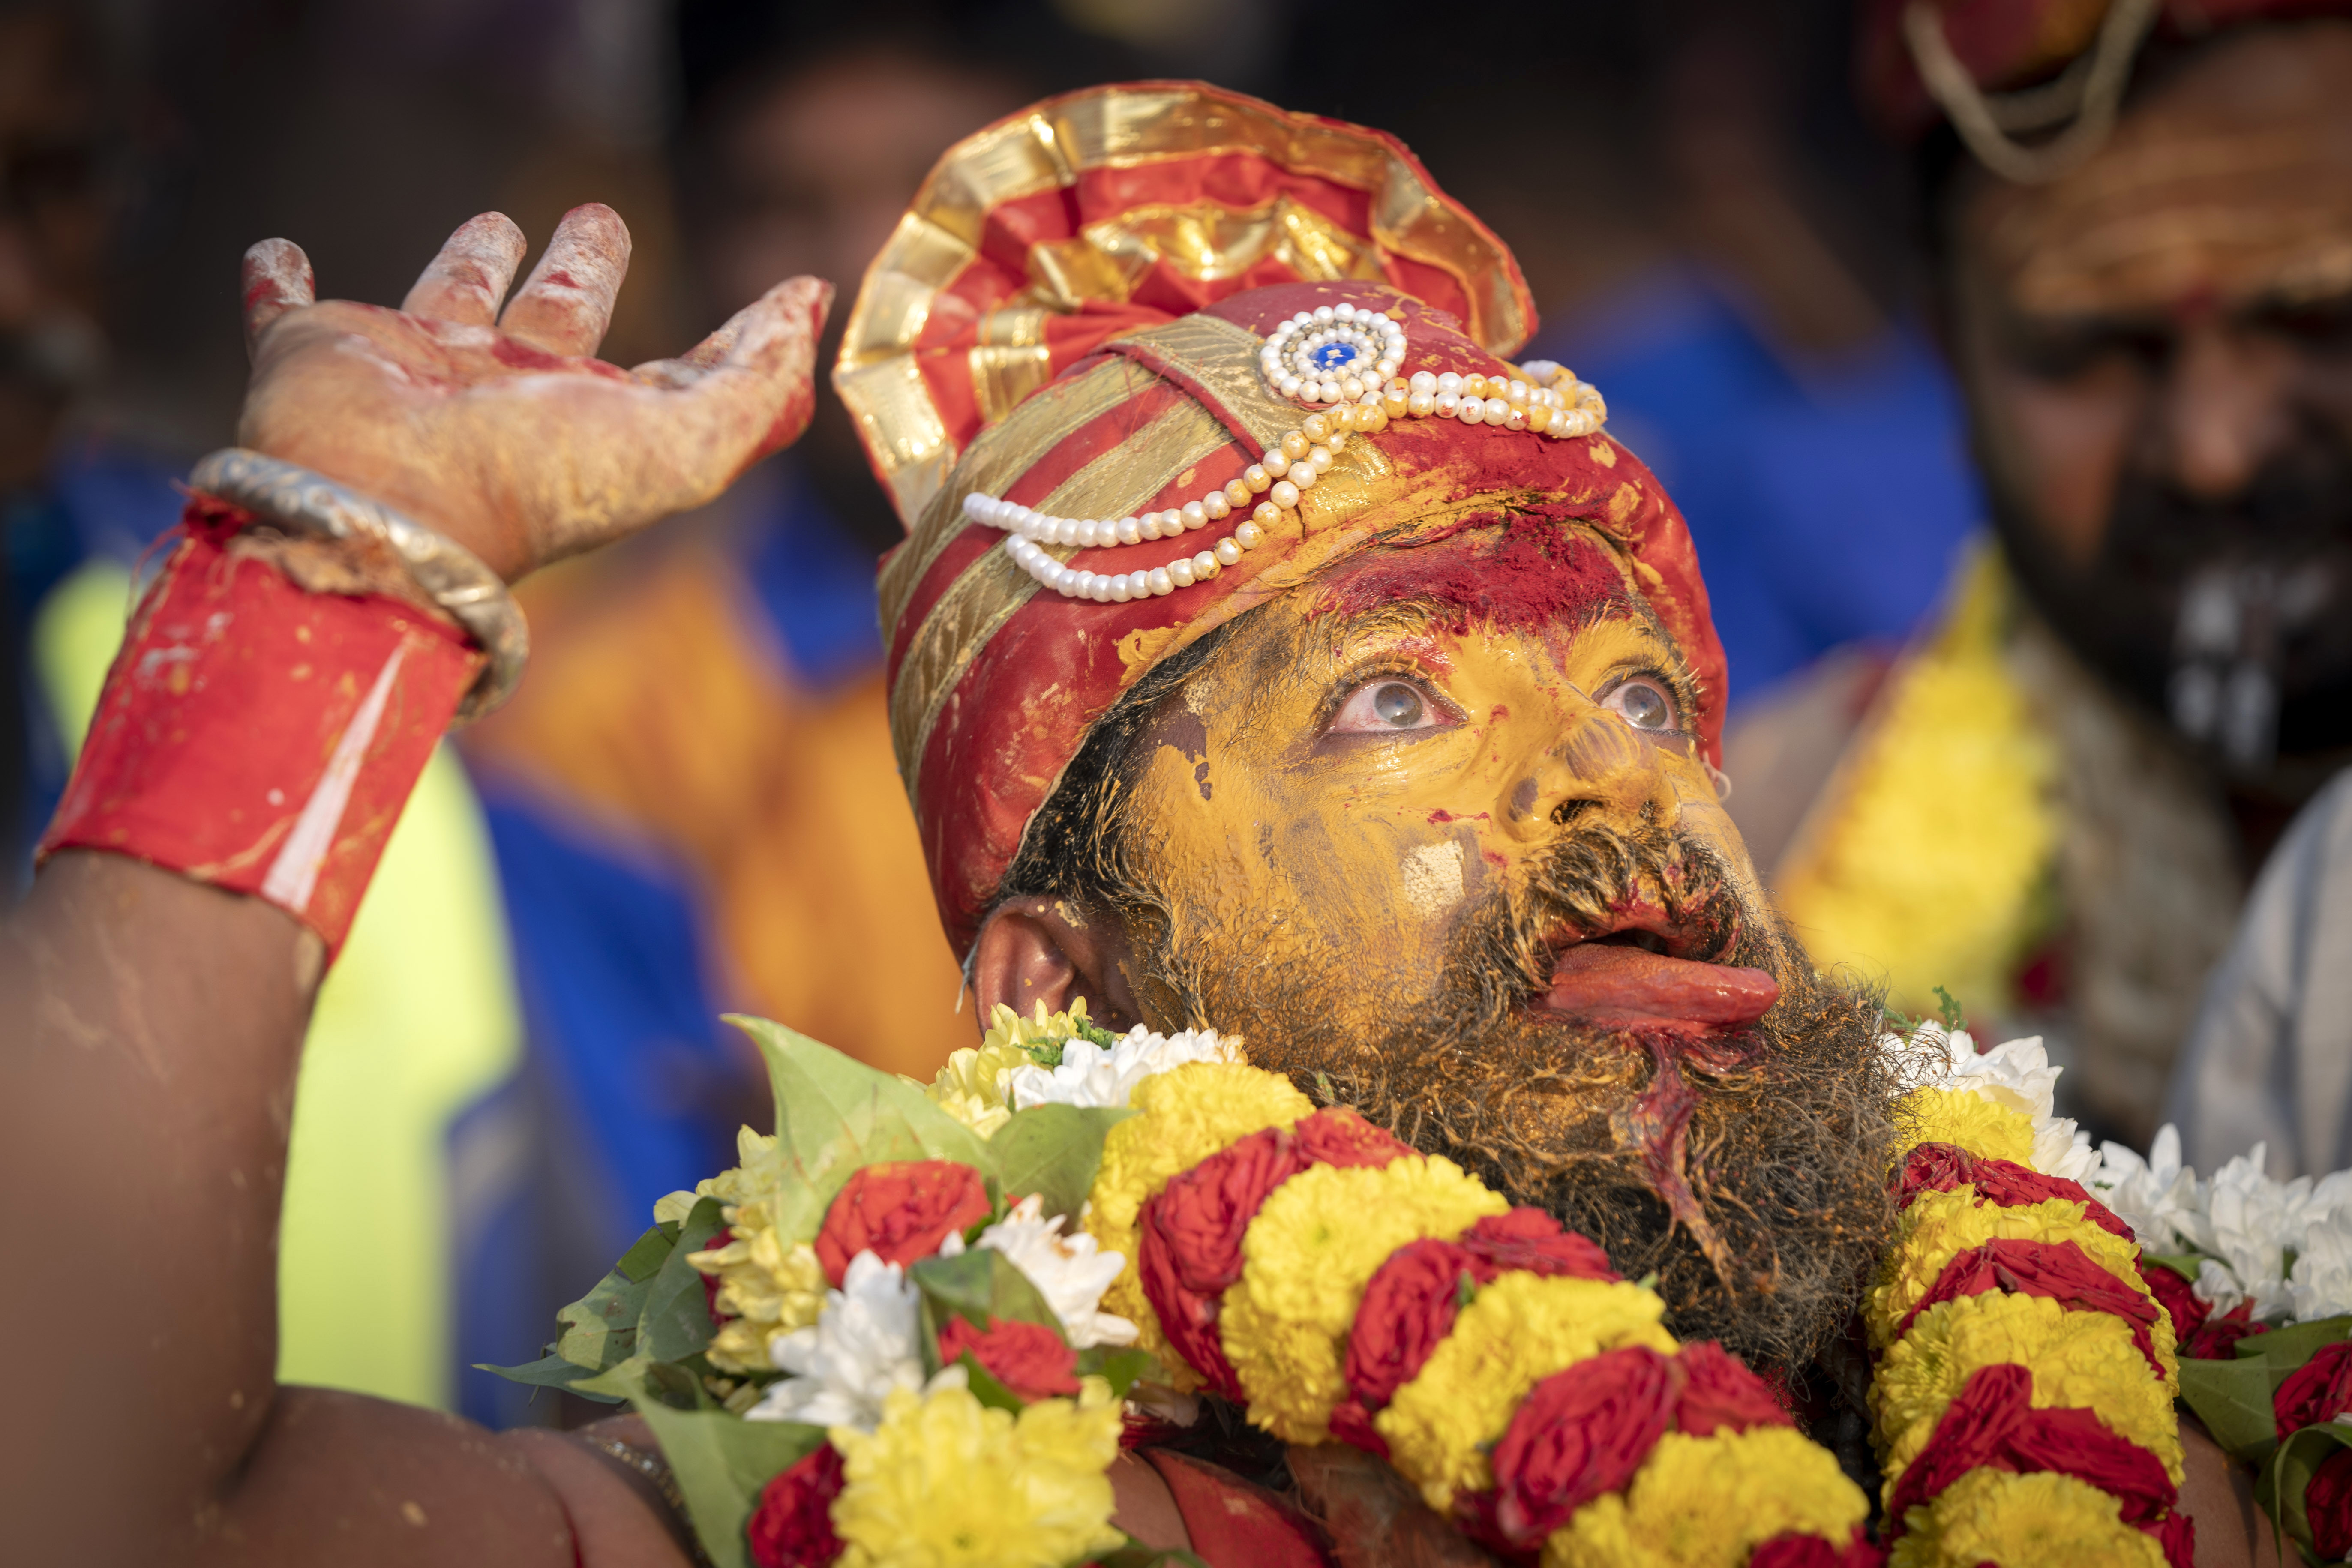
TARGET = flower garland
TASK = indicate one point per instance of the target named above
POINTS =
(2026, 1369)
(910, 1327)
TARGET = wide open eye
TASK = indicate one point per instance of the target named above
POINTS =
(1644, 703)
(1385, 706)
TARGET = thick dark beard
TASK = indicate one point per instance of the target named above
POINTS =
(2291, 529)
(1789, 1136)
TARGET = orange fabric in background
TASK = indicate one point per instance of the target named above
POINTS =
(660, 709)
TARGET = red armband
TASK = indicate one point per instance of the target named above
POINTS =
(259, 737)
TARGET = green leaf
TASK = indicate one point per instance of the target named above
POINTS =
(2233, 1399)
(976, 1286)
(835, 1115)
(2279, 1490)
(984, 1387)
(1122, 1368)
(600, 1329)
(2184, 1264)
(676, 1321)
(2283, 1349)
(548, 1371)
(1053, 1152)
(722, 1462)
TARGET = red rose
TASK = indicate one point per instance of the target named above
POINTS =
(1529, 1239)
(1408, 1308)
(2319, 1390)
(1992, 1422)
(1812, 1551)
(1719, 1391)
(900, 1212)
(1580, 1434)
(1940, 1167)
(2187, 1308)
(2217, 1339)
(2327, 1504)
(1340, 1137)
(793, 1526)
(1191, 1243)
(1029, 1359)
(2061, 1271)
(2176, 1534)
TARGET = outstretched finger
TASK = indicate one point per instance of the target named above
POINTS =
(567, 302)
(465, 281)
(761, 367)
(276, 280)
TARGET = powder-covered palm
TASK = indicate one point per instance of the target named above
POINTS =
(499, 428)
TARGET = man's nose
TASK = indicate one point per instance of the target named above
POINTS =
(1599, 763)
(2225, 409)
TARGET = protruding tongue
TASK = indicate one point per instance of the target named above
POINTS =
(1603, 983)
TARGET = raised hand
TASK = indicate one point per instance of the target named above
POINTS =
(500, 429)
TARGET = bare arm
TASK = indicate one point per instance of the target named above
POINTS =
(153, 1025)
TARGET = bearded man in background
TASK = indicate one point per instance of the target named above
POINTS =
(2142, 249)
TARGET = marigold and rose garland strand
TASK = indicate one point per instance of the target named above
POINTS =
(1340, 1286)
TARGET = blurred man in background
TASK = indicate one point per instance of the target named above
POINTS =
(2144, 258)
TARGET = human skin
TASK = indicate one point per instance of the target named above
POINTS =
(1280, 799)
(1310, 835)
(2176, 308)
(156, 1023)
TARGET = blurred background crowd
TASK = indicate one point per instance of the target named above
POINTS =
(1964, 760)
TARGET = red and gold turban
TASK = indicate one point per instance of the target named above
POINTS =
(1070, 319)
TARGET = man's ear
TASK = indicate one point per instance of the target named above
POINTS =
(1037, 950)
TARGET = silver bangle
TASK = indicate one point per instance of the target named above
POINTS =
(452, 575)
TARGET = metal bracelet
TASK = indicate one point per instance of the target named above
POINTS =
(453, 577)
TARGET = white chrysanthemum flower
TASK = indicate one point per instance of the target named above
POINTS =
(1070, 1271)
(1093, 1075)
(2320, 1283)
(2250, 1222)
(866, 1343)
(2160, 1198)
(2016, 1075)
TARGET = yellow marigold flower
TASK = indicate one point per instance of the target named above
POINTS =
(1991, 1516)
(2079, 1360)
(1517, 1332)
(967, 1087)
(1306, 1260)
(1707, 1502)
(1965, 1118)
(1184, 1117)
(770, 1285)
(1939, 1227)
(945, 1481)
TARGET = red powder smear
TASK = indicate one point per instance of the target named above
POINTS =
(1535, 572)
(1440, 815)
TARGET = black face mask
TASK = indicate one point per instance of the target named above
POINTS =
(2231, 619)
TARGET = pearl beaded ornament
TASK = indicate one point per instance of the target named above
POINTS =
(1332, 353)
(1354, 354)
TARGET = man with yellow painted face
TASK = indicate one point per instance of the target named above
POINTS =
(1268, 649)
(1374, 716)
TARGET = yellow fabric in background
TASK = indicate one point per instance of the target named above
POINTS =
(1927, 862)
(417, 1020)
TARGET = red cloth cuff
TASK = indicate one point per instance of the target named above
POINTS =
(258, 737)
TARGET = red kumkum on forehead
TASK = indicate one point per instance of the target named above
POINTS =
(1530, 573)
